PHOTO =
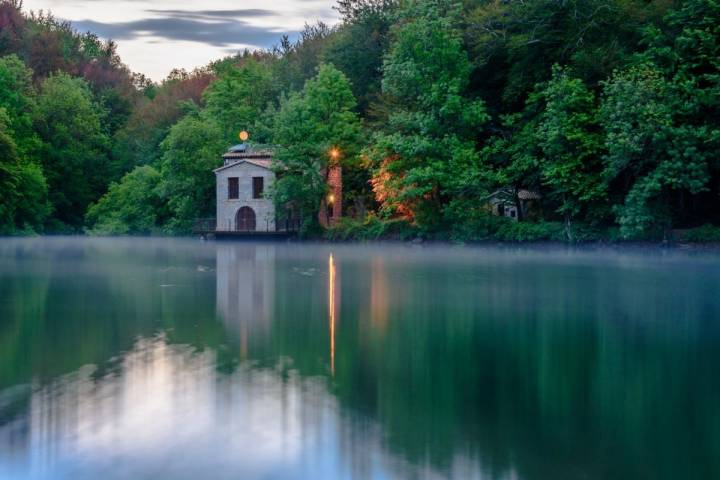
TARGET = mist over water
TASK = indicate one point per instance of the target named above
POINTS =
(168, 358)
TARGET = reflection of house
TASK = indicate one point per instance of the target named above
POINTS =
(505, 202)
(242, 183)
(245, 283)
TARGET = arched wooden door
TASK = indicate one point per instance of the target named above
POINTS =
(245, 220)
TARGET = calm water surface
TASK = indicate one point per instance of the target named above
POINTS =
(157, 358)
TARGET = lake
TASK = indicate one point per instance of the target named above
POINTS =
(182, 359)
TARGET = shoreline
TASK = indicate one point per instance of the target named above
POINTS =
(677, 246)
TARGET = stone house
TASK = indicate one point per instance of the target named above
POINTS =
(241, 186)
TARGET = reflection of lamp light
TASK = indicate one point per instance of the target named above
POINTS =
(331, 199)
(331, 308)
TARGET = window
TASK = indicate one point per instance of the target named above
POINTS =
(258, 185)
(233, 188)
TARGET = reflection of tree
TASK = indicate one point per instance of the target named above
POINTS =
(379, 295)
(550, 370)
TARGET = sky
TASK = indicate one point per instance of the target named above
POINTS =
(155, 36)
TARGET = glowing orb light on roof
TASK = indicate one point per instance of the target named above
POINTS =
(243, 135)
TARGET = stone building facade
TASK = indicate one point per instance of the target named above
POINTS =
(241, 187)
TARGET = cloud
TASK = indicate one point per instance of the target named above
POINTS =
(214, 14)
(221, 32)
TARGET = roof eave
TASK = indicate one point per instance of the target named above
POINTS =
(239, 162)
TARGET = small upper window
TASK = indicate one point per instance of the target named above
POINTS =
(233, 188)
(258, 186)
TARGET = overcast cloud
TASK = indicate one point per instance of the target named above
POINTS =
(155, 36)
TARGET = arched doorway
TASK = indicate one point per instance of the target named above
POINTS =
(245, 220)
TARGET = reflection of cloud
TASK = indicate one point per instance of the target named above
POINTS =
(166, 411)
(170, 411)
(218, 33)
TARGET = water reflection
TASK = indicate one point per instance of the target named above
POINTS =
(245, 289)
(379, 301)
(180, 359)
(332, 307)
(165, 412)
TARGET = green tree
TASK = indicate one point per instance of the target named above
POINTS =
(653, 147)
(17, 96)
(24, 189)
(569, 138)
(131, 206)
(426, 154)
(236, 98)
(74, 153)
(191, 151)
(514, 43)
(23, 198)
(138, 141)
(359, 44)
(307, 127)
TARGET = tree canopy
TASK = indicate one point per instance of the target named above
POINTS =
(605, 110)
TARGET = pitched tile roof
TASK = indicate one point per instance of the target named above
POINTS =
(246, 153)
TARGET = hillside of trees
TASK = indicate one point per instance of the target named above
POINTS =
(609, 109)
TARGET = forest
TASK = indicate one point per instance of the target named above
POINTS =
(609, 110)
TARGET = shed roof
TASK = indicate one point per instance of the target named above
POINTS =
(528, 195)
(507, 194)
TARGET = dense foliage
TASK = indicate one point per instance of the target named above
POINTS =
(608, 111)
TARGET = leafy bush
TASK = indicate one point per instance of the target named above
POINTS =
(372, 228)
(705, 234)
(476, 226)
(531, 232)
(582, 233)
